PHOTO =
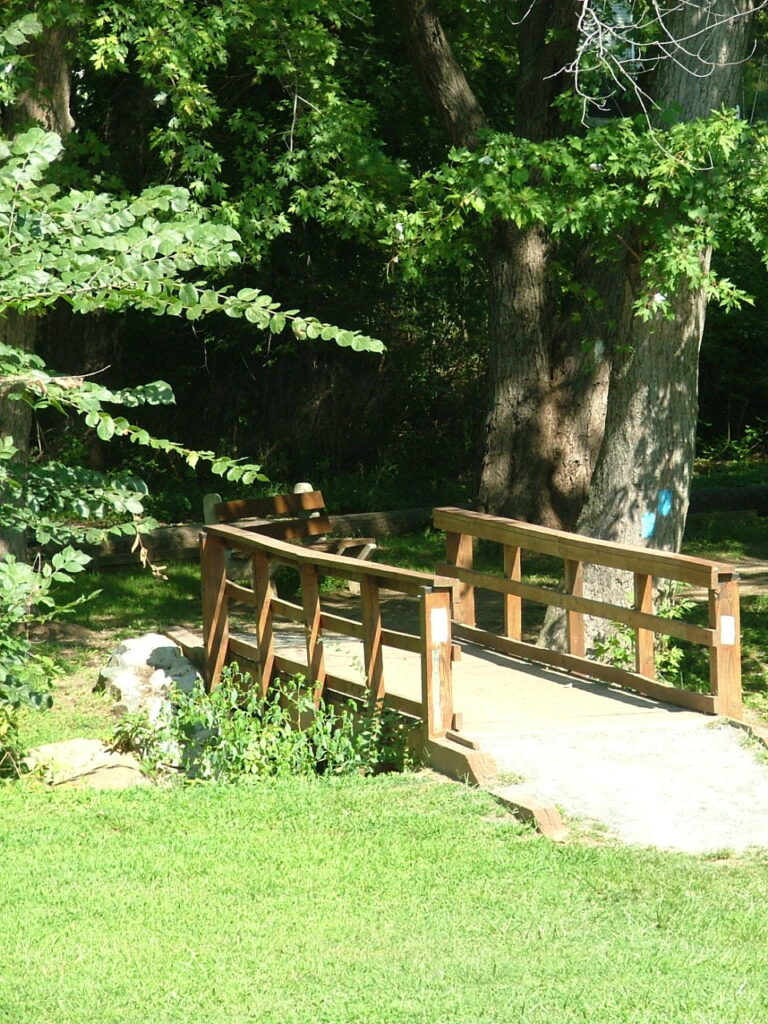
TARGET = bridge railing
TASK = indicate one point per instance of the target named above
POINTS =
(720, 636)
(261, 656)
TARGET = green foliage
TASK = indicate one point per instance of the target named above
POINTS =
(691, 186)
(94, 251)
(13, 36)
(26, 599)
(233, 734)
(618, 647)
(741, 450)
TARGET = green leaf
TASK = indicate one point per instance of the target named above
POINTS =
(188, 295)
(105, 428)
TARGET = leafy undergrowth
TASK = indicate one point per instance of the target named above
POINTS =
(388, 901)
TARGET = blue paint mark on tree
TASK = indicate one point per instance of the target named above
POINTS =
(663, 508)
(648, 525)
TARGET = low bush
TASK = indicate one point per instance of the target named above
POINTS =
(26, 676)
(236, 734)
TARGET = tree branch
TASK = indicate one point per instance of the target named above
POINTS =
(441, 77)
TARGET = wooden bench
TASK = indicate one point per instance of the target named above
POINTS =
(296, 518)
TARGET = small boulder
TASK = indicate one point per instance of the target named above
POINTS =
(86, 764)
(140, 673)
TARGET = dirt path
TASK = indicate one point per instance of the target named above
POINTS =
(683, 785)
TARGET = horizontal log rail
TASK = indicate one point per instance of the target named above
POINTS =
(261, 656)
(720, 637)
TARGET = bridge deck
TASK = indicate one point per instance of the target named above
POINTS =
(497, 695)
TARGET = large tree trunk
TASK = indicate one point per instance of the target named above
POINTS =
(48, 103)
(546, 394)
(640, 486)
(547, 389)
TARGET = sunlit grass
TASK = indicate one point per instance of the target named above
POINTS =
(130, 600)
(386, 901)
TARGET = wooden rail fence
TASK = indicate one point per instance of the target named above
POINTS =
(721, 635)
(262, 656)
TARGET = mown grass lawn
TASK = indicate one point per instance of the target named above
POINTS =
(385, 901)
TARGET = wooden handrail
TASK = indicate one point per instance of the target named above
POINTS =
(407, 581)
(585, 606)
(699, 572)
(432, 644)
(720, 636)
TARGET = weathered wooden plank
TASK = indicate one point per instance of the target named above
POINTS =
(265, 594)
(243, 595)
(389, 637)
(645, 663)
(288, 609)
(340, 567)
(436, 669)
(343, 625)
(286, 529)
(261, 508)
(574, 584)
(372, 628)
(310, 598)
(350, 689)
(213, 573)
(703, 702)
(459, 551)
(697, 571)
(725, 663)
(245, 649)
(588, 606)
(513, 606)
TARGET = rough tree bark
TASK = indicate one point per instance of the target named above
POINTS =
(640, 487)
(46, 101)
(546, 397)
(550, 438)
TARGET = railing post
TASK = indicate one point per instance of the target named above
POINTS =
(513, 605)
(574, 584)
(265, 633)
(645, 663)
(725, 656)
(213, 578)
(371, 616)
(310, 599)
(436, 678)
(458, 552)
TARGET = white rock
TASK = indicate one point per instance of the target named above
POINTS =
(86, 763)
(140, 673)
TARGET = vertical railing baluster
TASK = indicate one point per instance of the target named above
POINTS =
(725, 656)
(213, 576)
(513, 605)
(436, 669)
(574, 584)
(645, 663)
(372, 647)
(310, 599)
(265, 632)
(458, 552)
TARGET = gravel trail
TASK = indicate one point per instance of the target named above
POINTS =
(680, 785)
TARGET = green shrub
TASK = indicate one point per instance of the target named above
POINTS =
(618, 647)
(236, 734)
(25, 675)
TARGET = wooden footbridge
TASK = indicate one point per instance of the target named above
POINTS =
(459, 682)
